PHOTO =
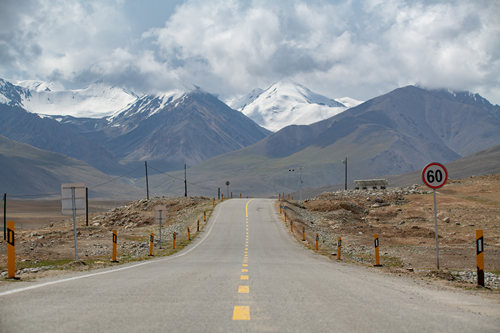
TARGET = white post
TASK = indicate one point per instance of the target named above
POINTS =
(160, 226)
(436, 230)
(73, 202)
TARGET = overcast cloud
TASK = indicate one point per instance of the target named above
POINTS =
(338, 48)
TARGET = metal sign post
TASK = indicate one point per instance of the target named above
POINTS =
(435, 175)
(159, 217)
(73, 199)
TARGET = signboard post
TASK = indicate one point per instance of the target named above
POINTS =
(73, 200)
(159, 216)
(435, 175)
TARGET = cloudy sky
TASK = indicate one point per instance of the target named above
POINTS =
(353, 48)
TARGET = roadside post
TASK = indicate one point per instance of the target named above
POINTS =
(291, 226)
(4, 216)
(339, 248)
(175, 234)
(204, 216)
(303, 234)
(11, 251)
(198, 226)
(115, 242)
(151, 243)
(159, 217)
(317, 240)
(73, 201)
(377, 254)
(435, 175)
(480, 257)
(189, 234)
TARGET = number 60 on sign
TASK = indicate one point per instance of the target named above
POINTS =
(434, 175)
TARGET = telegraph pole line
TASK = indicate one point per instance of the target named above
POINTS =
(5, 216)
(345, 181)
(147, 180)
(185, 181)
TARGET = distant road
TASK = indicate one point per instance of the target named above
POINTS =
(215, 285)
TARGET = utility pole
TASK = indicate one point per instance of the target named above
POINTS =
(5, 216)
(185, 182)
(345, 182)
(87, 206)
(147, 181)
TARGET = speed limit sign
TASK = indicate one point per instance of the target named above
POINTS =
(434, 175)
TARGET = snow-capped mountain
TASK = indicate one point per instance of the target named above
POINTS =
(287, 103)
(95, 101)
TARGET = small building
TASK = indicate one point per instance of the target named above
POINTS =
(374, 184)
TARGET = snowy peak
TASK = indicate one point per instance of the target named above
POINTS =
(46, 98)
(288, 103)
(12, 95)
(146, 106)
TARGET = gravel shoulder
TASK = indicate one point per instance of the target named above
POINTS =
(403, 218)
(49, 250)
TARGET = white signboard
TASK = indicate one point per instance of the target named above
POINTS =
(434, 175)
(160, 212)
(67, 198)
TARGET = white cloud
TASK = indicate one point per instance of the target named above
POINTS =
(339, 48)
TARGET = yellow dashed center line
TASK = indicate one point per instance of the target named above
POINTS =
(243, 289)
(241, 313)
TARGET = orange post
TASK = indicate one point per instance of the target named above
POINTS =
(303, 234)
(213, 203)
(377, 257)
(198, 226)
(291, 226)
(281, 209)
(317, 240)
(11, 251)
(339, 247)
(204, 216)
(222, 197)
(151, 243)
(115, 241)
(175, 234)
(279, 196)
(189, 234)
(480, 257)
(285, 217)
(240, 195)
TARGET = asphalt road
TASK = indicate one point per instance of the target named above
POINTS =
(221, 283)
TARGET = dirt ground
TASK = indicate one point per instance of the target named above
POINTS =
(404, 221)
(45, 239)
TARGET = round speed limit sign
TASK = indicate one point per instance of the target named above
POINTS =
(434, 175)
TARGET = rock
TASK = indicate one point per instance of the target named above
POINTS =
(402, 222)
(410, 269)
(457, 223)
(446, 220)
(96, 224)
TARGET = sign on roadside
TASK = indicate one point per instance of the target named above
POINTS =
(160, 212)
(435, 175)
(76, 191)
(73, 201)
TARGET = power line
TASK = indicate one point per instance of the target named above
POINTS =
(116, 178)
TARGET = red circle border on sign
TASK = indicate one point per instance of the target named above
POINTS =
(445, 174)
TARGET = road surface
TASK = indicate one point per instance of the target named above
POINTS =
(244, 273)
